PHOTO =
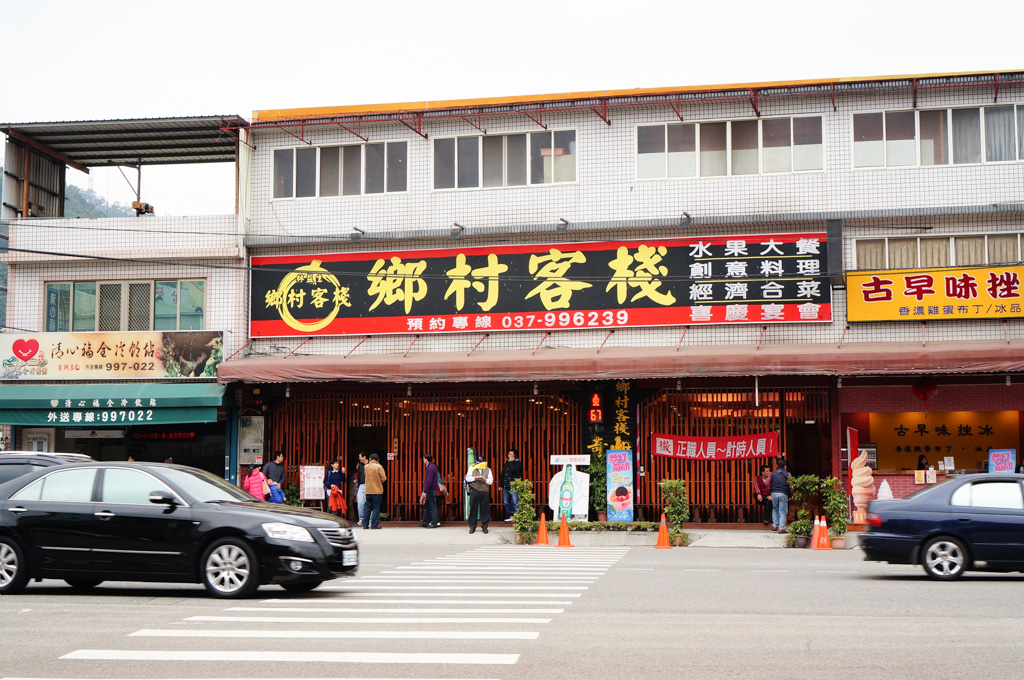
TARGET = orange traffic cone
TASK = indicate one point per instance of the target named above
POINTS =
(823, 543)
(563, 535)
(662, 534)
(542, 531)
(814, 534)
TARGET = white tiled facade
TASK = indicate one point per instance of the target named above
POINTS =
(885, 201)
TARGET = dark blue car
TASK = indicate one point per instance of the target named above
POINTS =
(967, 522)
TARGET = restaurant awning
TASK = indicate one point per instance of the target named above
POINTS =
(643, 362)
(96, 404)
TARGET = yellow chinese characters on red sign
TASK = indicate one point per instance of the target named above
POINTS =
(992, 292)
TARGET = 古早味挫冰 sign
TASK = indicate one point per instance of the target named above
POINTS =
(774, 278)
(935, 294)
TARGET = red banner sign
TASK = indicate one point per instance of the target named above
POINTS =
(764, 445)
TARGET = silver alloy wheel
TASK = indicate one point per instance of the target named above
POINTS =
(8, 564)
(227, 568)
(944, 558)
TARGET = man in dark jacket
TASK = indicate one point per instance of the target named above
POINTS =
(511, 471)
(431, 490)
(274, 470)
(780, 495)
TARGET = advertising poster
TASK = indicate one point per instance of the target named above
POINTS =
(110, 356)
(1002, 460)
(620, 485)
(311, 482)
(763, 279)
(569, 488)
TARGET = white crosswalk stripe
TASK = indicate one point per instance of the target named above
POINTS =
(431, 613)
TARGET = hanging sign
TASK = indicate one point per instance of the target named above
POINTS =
(761, 279)
(619, 464)
(110, 356)
(716, 448)
(935, 294)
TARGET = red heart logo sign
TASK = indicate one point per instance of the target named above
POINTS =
(25, 349)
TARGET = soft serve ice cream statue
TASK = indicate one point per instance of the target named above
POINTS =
(862, 486)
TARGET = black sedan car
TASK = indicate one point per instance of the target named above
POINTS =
(90, 522)
(966, 522)
(17, 463)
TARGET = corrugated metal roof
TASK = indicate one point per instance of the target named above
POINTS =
(145, 141)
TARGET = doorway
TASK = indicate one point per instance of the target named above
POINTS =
(367, 440)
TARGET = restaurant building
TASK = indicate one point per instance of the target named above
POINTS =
(115, 326)
(787, 258)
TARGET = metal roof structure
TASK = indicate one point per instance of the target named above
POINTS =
(133, 142)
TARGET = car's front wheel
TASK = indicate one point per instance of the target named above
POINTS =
(944, 558)
(229, 568)
(301, 587)
(13, 567)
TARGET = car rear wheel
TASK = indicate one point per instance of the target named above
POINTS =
(13, 568)
(83, 583)
(303, 587)
(229, 569)
(944, 558)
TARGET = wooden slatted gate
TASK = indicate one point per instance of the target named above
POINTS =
(719, 491)
(312, 427)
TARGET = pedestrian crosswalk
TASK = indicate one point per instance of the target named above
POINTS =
(479, 608)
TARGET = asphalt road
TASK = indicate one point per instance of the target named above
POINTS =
(529, 612)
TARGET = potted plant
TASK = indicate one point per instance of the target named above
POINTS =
(598, 484)
(524, 518)
(800, 530)
(677, 509)
(836, 505)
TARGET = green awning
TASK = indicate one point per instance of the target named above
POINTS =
(99, 404)
(109, 395)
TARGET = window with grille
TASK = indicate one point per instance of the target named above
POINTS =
(85, 306)
(986, 134)
(936, 251)
(739, 147)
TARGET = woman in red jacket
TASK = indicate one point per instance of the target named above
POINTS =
(256, 483)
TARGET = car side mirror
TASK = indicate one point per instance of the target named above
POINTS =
(163, 498)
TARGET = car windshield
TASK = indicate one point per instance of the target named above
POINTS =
(204, 487)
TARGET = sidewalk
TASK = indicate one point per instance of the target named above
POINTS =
(502, 534)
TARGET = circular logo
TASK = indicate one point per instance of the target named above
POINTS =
(307, 288)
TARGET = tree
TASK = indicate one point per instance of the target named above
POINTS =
(80, 202)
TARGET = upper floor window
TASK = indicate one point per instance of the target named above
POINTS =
(741, 147)
(86, 306)
(505, 160)
(925, 252)
(306, 172)
(987, 134)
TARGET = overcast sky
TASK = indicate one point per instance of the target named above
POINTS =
(74, 60)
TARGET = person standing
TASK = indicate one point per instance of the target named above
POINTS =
(361, 484)
(256, 483)
(274, 470)
(375, 479)
(334, 485)
(763, 493)
(431, 490)
(480, 480)
(510, 472)
(780, 495)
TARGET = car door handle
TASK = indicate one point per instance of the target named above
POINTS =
(963, 519)
(104, 514)
(17, 510)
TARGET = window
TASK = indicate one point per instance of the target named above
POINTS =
(132, 305)
(989, 134)
(743, 147)
(58, 306)
(328, 171)
(64, 485)
(124, 485)
(936, 251)
(1004, 495)
(504, 160)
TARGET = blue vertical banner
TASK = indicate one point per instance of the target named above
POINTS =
(52, 310)
(620, 485)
